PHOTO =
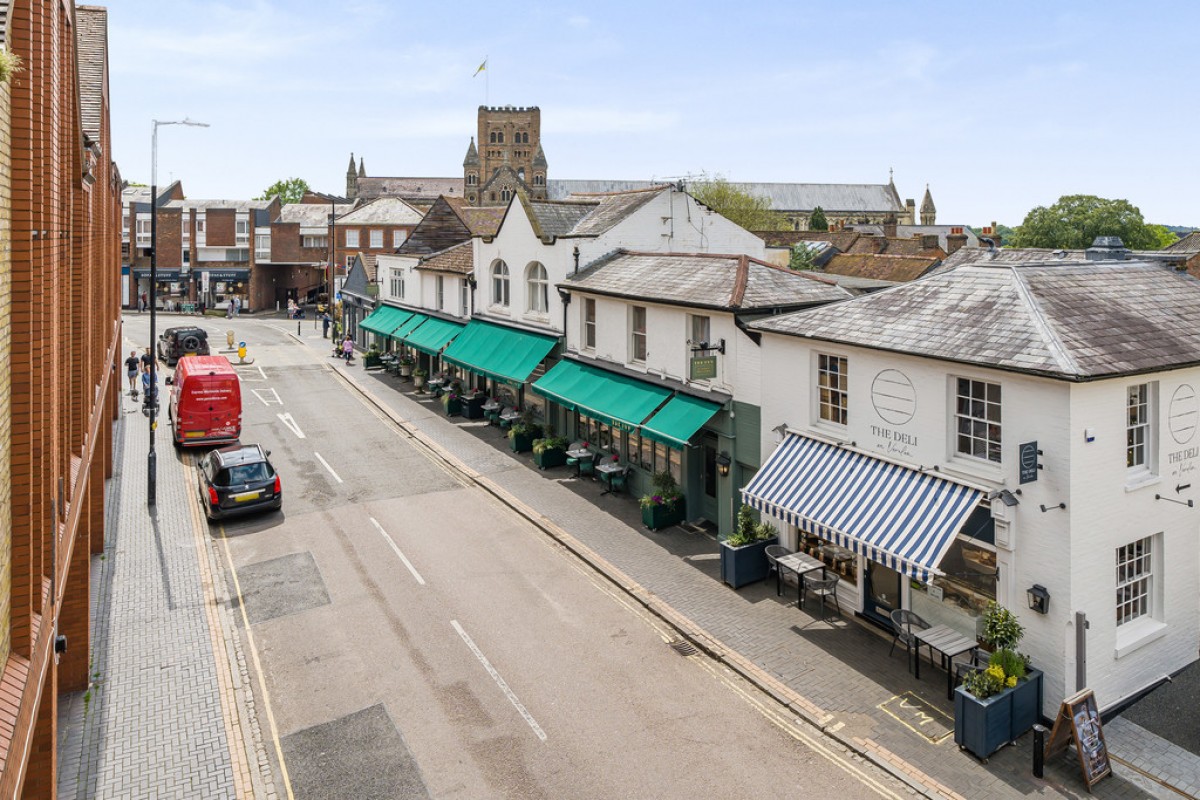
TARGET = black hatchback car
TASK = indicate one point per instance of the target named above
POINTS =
(238, 479)
(175, 343)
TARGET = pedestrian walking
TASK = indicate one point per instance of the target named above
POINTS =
(237, 306)
(325, 325)
(131, 370)
(147, 360)
(348, 348)
(142, 302)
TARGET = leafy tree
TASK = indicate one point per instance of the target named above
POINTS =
(817, 221)
(1076, 220)
(801, 257)
(1163, 236)
(290, 190)
(751, 212)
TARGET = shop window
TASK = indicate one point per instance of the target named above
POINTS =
(637, 333)
(537, 287)
(1139, 439)
(589, 323)
(1135, 577)
(836, 559)
(977, 417)
(832, 387)
(500, 287)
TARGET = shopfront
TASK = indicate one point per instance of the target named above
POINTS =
(897, 537)
(171, 289)
(499, 361)
(217, 288)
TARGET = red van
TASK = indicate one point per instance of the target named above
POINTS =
(206, 402)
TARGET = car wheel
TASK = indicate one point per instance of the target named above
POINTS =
(190, 343)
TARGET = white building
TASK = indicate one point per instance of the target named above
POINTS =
(1000, 427)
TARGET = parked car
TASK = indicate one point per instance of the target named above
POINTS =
(238, 479)
(175, 343)
(206, 402)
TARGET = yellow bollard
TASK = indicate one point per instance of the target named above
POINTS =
(229, 339)
(242, 351)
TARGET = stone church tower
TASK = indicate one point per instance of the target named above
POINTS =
(928, 211)
(509, 156)
(351, 179)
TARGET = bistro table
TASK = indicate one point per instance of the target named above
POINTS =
(491, 405)
(608, 469)
(801, 564)
(580, 455)
(433, 384)
(949, 643)
(510, 416)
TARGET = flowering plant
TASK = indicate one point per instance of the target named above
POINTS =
(1005, 666)
(666, 492)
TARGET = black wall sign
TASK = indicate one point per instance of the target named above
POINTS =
(1029, 462)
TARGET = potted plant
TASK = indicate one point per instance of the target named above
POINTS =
(550, 451)
(664, 505)
(522, 433)
(405, 363)
(418, 377)
(997, 704)
(452, 403)
(744, 552)
(373, 359)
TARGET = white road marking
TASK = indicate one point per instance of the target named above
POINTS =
(269, 397)
(261, 372)
(512, 698)
(286, 419)
(326, 465)
(396, 549)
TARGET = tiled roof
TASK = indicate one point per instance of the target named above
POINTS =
(237, 205)
(482, 221)
(382, 211)
(613, 209)
(729, 282)
(836, 197)
(559, 218)
(429, 188)
(311, 215)
(1188, 245)
(881, 266)
(895, 246)
(459, 259)
(1075, 320)
(91, 46)
(842, 240)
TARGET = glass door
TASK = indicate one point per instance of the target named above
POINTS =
(882, 595)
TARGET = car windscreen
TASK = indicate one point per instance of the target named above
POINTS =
(243, 473)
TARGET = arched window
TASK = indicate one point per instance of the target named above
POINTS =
(472, 179)
(525, 139)
(500, 284)
(500, 137)
(492, 137)
(537, 288)
(505, 195)
(521, 173)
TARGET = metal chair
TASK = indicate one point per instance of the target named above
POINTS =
(824, 588)
(903, 622)
(504, 424)
(979, 660)
(618, 481)
(774, 553)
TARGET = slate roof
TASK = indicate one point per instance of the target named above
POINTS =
(481, 221)
(835, 197)
(1070, 320)
(558, 218)
(382, 211)
(409, 188)
(91, 47)
(842, 240)
(612, 209)
(311, 215)
(882, 266)
(726, 282)
(458, 259)
(236, 205)
(1189, 245)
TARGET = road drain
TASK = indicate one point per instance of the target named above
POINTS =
(683, 647)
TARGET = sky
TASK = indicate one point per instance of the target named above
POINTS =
(998, 107)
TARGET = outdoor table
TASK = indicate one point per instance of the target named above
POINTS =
(491, 405)
(949, 643)
(608, 469)
(801, 564)
(510, 416)
(435, 383)
(580, 455)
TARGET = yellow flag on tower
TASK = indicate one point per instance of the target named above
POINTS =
(482, 67)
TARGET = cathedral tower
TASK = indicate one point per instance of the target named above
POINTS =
(509, 156)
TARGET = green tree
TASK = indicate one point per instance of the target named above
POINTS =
(751, 212)
(1163, 236)
(289, 190)
(817, 221)
(801, 257)
(1076, 220)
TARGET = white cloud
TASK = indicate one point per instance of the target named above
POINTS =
(579, 22)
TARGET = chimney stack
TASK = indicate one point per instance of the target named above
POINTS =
(996, 233)
(1107, 248)
(955, 241)
(889, 226)
(929, 241)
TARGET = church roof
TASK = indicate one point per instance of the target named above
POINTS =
(831, 197)
(410, 188)
(927, 206)
(472, 158)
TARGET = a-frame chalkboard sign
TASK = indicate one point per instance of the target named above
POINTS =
(1079, 720)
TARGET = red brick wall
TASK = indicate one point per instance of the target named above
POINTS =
(220, 228)
(170, 238)
(285, 241)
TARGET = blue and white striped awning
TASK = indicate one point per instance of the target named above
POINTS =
(899, 517)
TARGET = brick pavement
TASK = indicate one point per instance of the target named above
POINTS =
(168, 712)
(838, 675)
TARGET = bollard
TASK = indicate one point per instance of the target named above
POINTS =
(1039, 749)
(297, 327)
(229, 338)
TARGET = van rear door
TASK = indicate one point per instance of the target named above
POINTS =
(209, 409)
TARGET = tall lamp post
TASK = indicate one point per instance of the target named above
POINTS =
(151, 457)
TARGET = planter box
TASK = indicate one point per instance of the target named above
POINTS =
(453, 406)
(743, 565)
(554, 457)
(405, 370)
(984, 726)
(473, 407)
(373, 361)
(522, 442)
(418, 381)
(658, 517)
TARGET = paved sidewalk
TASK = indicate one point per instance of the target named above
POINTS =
(167, 714)
(838, 675)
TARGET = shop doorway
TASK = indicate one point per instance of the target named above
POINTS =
(881, 595)
(708, 478)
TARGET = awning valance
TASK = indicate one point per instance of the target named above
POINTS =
(497, 352)
(677, 422)
(897, 516)
(617, 400)
(432, 335)
(385, 319)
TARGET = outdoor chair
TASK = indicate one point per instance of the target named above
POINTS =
(618, 481)
(493, 416)
(774, 553)
(903, 622)
(504, 424)
(978, 660)
(581, 465)
(824, 588)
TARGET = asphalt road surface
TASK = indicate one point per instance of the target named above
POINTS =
(418, 639)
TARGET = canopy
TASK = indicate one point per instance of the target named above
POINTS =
(385, 319)
(432, 336)
(408, 326)
(617, 400)
(677, 422)
(498, 352)
(897, 516)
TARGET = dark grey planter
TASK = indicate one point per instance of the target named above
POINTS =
(473, 407)
(984, 726)
(662, 516)
(746, 564)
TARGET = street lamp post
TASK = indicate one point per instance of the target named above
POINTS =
(151, 399)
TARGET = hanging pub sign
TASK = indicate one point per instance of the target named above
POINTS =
(704, 367)
(1079, 720)
(1028, 461)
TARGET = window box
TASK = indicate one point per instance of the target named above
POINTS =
(984, 726)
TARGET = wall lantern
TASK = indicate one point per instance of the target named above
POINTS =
(1039, 598)
(723, 463)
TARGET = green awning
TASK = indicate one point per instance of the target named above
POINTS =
(408, 326)
(499, 353)
(677, 421)
(433, 335)
(385, 319)
(618, 400)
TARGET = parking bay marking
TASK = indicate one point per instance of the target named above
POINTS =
(326, 465)
(396, 549)
(268, 397)
(286, 419)
(512, 698)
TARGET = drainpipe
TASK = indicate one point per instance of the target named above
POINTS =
(575, 253)
(565, 296)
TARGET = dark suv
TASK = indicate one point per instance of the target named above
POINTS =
(238, 479)
(175, 343)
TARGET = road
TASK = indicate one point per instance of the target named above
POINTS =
(412, 637)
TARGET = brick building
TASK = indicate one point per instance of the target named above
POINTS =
(59, 279)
